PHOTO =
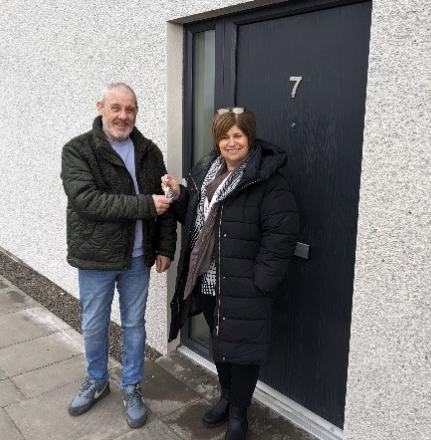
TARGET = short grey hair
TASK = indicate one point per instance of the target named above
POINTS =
(118, 85)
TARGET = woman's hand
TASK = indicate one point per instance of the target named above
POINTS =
(168, 181)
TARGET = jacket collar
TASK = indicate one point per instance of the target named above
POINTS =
(141, 143)
(265, 160)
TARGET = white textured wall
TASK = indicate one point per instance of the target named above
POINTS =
(389, 386)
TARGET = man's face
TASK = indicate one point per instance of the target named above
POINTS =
(118, 113)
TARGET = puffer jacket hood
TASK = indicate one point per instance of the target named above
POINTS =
(265, 160)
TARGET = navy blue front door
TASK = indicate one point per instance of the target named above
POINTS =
(302, 68)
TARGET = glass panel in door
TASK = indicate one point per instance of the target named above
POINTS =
(203, 112)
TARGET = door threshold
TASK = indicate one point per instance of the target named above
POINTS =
(287, 408)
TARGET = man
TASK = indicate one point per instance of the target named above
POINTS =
(117, 228)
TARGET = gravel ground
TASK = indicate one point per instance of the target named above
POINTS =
(58, 301)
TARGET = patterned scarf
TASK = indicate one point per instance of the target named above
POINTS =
(217, 185)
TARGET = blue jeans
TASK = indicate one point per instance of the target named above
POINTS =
(96, 288)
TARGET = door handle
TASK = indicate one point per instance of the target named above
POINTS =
(302, 250)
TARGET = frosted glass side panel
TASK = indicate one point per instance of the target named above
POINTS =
(199, 330)
(203, 114)
(203, 92)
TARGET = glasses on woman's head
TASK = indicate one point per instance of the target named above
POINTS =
(235, 110)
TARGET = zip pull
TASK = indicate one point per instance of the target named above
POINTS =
(246, 186)
(194, 183)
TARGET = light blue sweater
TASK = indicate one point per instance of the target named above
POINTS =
(126, 151)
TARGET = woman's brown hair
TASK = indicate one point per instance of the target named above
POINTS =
(245, 121)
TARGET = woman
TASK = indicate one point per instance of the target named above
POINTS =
(241, 225)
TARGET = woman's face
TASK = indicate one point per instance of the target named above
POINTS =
(234, 146)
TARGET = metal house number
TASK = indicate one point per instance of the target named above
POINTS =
(296, 80)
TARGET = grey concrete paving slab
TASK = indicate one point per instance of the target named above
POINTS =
(186, 422)
(162, 392)
(195, 376)
(3, 374)
(9, 393)
(155, 430)
(37, 353)
(28, 324)
(52, 376)
(13, 300)
(45, 417)
(8, 429)
(265, 423)
(5, 286)
(75, 340)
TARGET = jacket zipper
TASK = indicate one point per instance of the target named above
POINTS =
(246, 186)
(183, 278)
(219, 272)
(198, 194)
(194, 183)
(219, 253)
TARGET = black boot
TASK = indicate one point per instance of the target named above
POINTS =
(238, 424)
(218, 414)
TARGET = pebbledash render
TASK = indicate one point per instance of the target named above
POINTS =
(51, 77)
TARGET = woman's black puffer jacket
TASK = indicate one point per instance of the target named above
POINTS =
(255, 237)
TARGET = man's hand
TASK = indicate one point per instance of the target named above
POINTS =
(162, 203)
(162, 263)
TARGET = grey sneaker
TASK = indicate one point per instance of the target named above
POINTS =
(136, 413)
(87, 396)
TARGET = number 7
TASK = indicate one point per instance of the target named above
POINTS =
(297, 80)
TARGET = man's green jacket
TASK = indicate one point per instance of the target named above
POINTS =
(103, 206)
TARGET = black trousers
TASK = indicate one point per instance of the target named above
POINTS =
(240, 379)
